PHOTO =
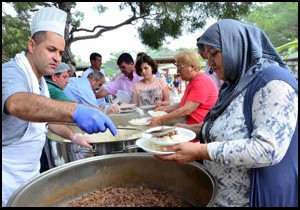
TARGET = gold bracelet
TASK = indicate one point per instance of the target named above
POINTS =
(159, 120)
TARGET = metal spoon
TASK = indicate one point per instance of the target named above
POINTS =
(161, 131)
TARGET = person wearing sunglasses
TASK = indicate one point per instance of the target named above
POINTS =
(200, 94)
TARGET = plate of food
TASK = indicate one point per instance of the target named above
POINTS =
(124, 108)
(168, 135)
(157, 113)
(147, 107)
(140, 121)
(150, 147)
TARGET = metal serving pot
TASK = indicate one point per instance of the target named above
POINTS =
(63, 151)
(61, 185)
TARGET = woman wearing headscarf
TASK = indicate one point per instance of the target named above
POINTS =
(251, 134)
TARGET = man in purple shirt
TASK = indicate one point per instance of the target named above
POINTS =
(124, 81)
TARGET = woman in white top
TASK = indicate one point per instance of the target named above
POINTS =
(150, 90)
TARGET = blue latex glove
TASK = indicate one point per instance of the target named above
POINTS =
(92, 120)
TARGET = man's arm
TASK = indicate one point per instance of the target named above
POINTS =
(35, 108)
(67, 133)
(101, 93)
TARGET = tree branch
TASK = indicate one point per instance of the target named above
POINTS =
(104, 29)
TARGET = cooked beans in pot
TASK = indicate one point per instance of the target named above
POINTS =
(128, 197)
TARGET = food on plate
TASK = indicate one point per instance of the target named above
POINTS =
(163, 132)
(150, 145)
(170, 138)
(127, 106)
(167, 135)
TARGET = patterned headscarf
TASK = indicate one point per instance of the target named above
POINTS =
(246, 51)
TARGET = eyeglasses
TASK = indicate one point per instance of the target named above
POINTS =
(179, 68)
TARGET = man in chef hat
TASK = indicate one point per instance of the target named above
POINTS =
(26, 106)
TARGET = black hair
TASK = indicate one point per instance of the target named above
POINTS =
(141, 54)
(125, 57)
(94, 55)
(39, 37)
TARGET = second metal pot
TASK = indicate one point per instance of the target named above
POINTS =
(63, 151)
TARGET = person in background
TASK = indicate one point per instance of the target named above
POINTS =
(26, 106)
(200, 94)
(150, 90)
(96, 62)
(72, 70)
(56, 83)
(209, 70)
(177, 84)
(251, 134)
(140, 54)
(169, 81)
(82, 90)
(123, 82)
(59, 81)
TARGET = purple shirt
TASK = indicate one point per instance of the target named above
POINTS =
(122, 83)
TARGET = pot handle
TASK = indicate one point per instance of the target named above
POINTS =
(130, 147)
(86, 150)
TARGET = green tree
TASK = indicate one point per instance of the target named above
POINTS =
(279, 20)
(159, 21)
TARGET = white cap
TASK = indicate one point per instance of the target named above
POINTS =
(62, 68)
(49, 19)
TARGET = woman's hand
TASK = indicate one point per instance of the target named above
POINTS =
(185, 152)
(158, 103)
(155, 121)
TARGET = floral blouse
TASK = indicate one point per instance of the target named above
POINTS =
(233, 153)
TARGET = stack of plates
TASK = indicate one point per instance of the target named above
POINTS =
(156, 113)
(141, 121)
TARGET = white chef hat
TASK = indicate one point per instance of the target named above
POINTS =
(62, 68)
(49, 19)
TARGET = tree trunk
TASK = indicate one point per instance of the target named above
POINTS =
(68, 56)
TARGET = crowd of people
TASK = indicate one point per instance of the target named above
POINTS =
(243, 107)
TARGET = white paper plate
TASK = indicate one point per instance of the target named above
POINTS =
(157, 113)
(141, 121)
(183, 135)
(150, 147)
(147, 107)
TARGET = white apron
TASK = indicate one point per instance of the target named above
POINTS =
(21, 159)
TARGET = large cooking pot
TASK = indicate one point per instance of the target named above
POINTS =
(63, 151)
(60, 185)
